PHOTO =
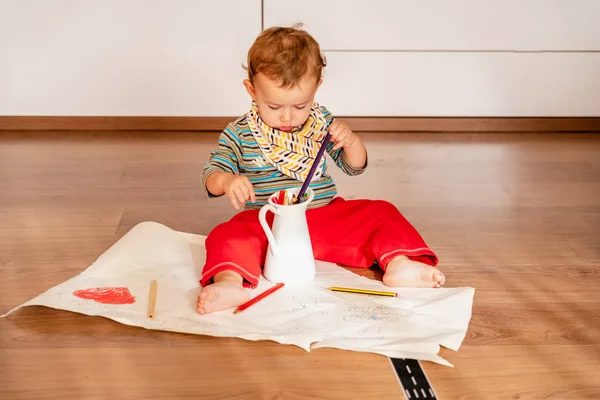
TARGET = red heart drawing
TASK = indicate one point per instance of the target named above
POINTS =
(107, 295)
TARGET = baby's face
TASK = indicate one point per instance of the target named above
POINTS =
(283, 108)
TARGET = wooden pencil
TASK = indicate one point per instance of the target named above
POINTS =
(258, 298)
(152, 299)
(281, 197)
(313, 168)
(363, 291)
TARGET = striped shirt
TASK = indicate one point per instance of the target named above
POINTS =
(239, 153)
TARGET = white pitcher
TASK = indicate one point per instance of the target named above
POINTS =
(290, 256)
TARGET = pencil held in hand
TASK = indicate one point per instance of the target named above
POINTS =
(313, 168)
(258, 298)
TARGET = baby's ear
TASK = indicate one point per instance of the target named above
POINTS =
(250, 89)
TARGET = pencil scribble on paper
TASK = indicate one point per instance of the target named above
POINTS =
(375, 313)
(369, 332)
(211, 328)
(201, 327)
(379, 310)
(164, 323)
(288, 331)
(369, 317)
(309, 305)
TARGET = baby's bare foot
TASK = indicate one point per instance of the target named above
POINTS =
(221, 296)
(404, 272)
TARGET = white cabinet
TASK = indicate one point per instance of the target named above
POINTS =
(386, 57)
(134, 57)
(454, 58)
(462, 84)
(444, 25)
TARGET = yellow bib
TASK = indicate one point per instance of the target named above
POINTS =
(292, 153)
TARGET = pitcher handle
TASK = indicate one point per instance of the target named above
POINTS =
(263, 221)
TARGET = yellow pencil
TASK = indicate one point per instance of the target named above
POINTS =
(363, 291)
(152, 299)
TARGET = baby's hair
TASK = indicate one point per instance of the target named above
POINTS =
(285, 55)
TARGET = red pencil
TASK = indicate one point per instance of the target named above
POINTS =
(258, 298)
(281, 197)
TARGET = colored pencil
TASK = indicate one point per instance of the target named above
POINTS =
(258, 298)
(281, 197)
(313, 168)
(152, 299)
(363, 291)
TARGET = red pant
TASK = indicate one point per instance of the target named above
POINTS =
(355, 233)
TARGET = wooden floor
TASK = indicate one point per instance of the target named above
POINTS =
(516, 216)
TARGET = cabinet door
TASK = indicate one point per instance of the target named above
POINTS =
(456, 25)
(134, 57)
(462, 84)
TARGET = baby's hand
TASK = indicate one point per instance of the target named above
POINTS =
(238, 188)
(341, 135)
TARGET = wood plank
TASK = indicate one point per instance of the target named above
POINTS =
(470, 124)
(581, 220)
(357, 123)
(551, 323)
(139, 372)
(528, 371)
(113, 123)
(585, 246)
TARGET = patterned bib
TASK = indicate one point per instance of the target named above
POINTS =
(294, 152)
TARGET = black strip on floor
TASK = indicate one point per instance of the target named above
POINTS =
(413, 379)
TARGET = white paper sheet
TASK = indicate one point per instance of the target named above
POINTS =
(310, 316)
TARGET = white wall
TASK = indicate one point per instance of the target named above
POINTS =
(386, 57)
(125, 57)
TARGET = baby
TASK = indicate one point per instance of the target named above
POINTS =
(272, 148)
